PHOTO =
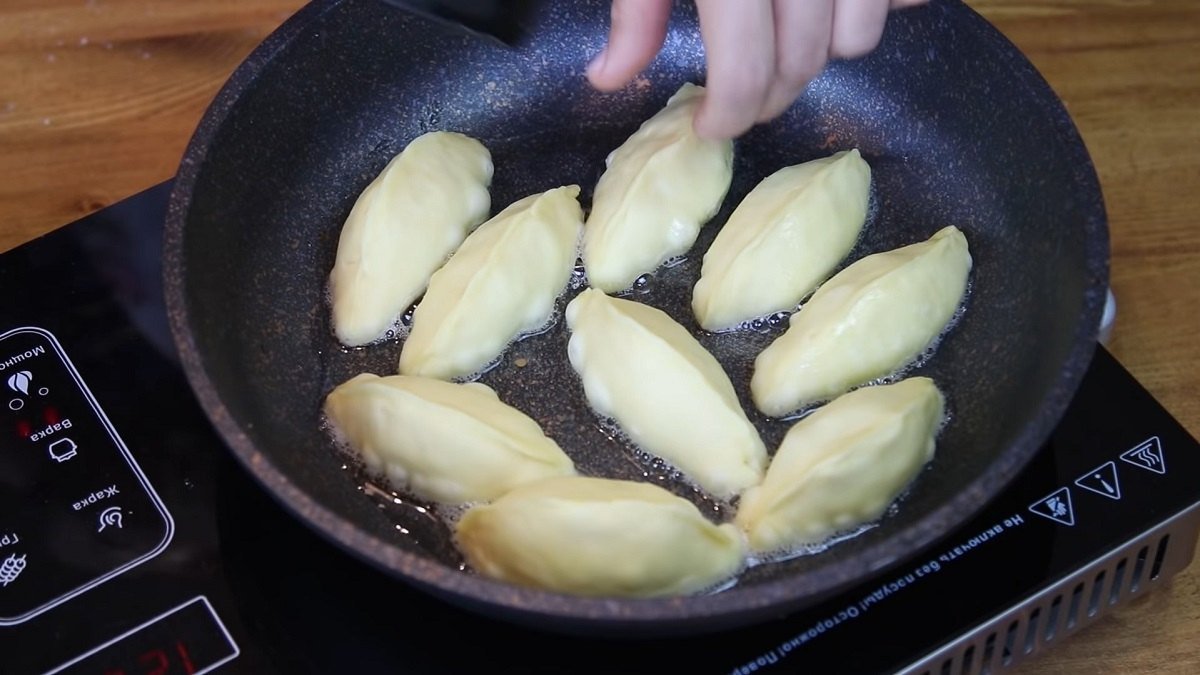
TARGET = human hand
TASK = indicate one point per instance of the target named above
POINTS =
(760, 53)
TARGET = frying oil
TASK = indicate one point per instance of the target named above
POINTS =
(759, 324)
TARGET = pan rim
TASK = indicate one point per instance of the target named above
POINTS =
(726, 609)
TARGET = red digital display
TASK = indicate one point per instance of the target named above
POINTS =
(163, 661)
(184, 641)
(50, 414)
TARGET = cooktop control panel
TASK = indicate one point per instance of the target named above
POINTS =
(75, 508)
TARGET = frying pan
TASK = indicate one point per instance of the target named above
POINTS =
(957, 126)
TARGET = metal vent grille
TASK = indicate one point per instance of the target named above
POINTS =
(1058, 611)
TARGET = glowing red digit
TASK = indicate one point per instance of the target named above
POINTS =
(185, 658)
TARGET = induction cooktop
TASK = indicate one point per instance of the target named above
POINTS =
(132, 542)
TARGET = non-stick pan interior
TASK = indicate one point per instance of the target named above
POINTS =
(958, 129)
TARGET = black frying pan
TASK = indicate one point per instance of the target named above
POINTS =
(957, 125)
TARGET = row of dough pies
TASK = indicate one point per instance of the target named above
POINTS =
(533, 520)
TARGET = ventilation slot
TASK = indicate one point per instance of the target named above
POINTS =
(1159, 556)
(989, 651)
(1073, 609)
(1052, 619)
(968, 660)
(1139, 568)
(1010, 643)
(947, 667)
(1031, 631)
(1097, 590)
(1118, 578)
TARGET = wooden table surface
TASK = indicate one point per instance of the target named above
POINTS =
(99, 97)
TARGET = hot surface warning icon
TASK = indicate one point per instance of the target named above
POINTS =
(1102, 480)
(1056, 507)
(1147, 455)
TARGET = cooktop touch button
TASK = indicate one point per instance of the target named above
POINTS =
(76, 508)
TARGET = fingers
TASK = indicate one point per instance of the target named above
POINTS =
(802, 36)
(760, 53)
(637, 33)
(739, 46)
(857, 27)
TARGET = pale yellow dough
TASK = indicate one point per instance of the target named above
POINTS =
(659, 188)
(502, 282)
(446, 442)
(782, 240)
(599, 537)
(670, 395)
(402, 227)
(866, 322)
(843, 465)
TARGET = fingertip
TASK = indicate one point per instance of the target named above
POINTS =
(802, 37)
(739, 46)
(598, 75)
(857, 27)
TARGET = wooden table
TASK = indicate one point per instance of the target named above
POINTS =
(99, 97)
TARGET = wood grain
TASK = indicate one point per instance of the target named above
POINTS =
(98, 99)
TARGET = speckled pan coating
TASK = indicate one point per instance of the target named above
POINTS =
(958, 128)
